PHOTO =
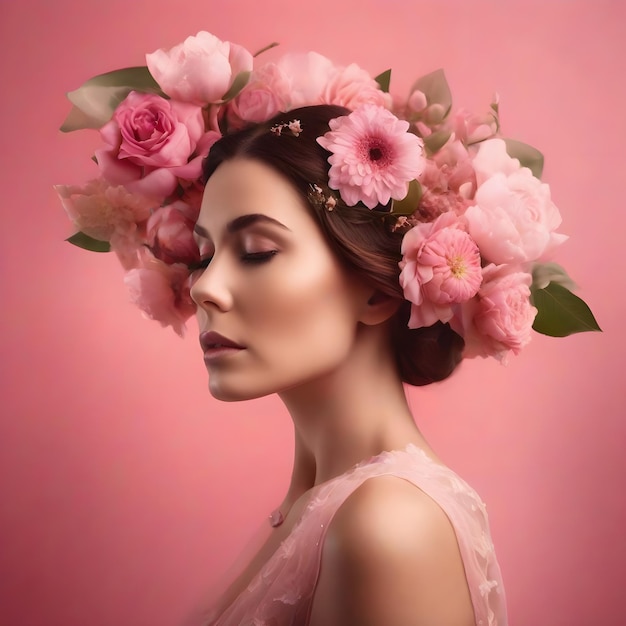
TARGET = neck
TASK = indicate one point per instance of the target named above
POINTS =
(353, 413)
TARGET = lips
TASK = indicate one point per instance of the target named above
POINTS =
(211, 341)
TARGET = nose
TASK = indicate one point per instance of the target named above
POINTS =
(210, 290)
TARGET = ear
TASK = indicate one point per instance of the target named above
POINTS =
(379, 308)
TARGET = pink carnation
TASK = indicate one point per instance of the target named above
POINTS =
(161, 291)
(200, 70)
(440, 268)
(499, 320)
(152, 141)
(109, 213)
(373, 156)
(448, 182)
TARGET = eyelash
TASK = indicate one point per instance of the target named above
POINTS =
(250, 258)
(253, 258)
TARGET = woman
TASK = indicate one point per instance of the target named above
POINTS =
(340, 251)
(305, 302)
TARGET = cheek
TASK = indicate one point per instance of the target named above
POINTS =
(308, 312)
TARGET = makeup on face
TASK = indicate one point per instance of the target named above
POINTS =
(270, 284)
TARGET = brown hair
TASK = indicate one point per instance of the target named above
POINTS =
(360, 237)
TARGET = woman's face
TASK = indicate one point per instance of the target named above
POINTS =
(286, 310)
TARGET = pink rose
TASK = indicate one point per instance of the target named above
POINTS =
(161, 291)
(264, 96)
(513, 218)
(352, 86)
(440, 267)
(499, 320)
(200, 70)
(109, 213)
(150, 142)
(170, 235)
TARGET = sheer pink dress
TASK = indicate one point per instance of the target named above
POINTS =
(281, 594)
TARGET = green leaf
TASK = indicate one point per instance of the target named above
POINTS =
(436, 89)
(89, 243)
(546, 273)
(408, 205)
(265, 49)
(528, 156)
(241, 80)
(384, 80)
(96, 100)
(561, 313)
(436, 140)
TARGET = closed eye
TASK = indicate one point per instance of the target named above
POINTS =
(258, 257)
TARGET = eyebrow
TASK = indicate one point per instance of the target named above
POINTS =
(242, 222)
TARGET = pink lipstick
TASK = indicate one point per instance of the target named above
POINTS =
(216, 346)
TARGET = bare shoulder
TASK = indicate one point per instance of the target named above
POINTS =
(391, 557)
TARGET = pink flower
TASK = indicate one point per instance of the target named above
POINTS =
(150, 142)
(513, 219)
(200, 70)
(307, 76)
(297, 80)
(352, 87)
(448, 182)
(470, 128)
(109, 213)
(170, 235)
(161, 291)
(440, 267)
(263, 97)
(492, 158)
(499, 320)
(373, 156)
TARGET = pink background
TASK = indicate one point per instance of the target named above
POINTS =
(126, 489)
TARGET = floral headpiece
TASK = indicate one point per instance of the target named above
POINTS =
(479, 225)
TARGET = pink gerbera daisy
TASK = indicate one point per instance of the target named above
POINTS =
(373, 156)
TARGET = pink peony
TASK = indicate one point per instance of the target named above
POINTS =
(150, 142)
(499, 320)
(307, 76)
(440, 267)
(161, 291)
(513, 218)
(109, 213)
(170, 235)
(492, 158)
(200, 70)
(373, 156)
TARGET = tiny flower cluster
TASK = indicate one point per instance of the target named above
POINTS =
(479, 225)
(294, 127)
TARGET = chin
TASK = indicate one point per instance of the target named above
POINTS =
(228, 393)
